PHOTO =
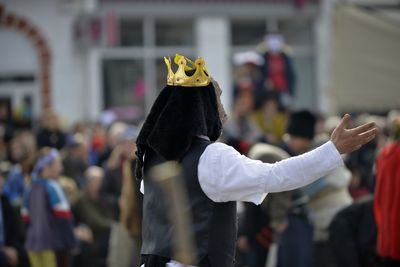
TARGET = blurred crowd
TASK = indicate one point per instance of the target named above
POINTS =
(69, 196)
(347, 218)
(89, 189)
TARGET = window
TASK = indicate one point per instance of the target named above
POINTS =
(123, 83)
(174, 33)
(297, 31)
(248, 32)
(131, 32)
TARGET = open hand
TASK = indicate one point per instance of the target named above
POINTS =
(349, 140)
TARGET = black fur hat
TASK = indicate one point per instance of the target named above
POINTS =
(178, 115)
(302, 124)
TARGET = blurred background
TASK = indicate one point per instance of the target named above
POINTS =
(81, 75)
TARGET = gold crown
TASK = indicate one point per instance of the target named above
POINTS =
(199, 78)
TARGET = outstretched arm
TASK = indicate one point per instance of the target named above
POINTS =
(226, 175)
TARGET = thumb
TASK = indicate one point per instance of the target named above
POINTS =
(343, 123)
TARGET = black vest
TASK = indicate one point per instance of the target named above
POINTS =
(214, 224)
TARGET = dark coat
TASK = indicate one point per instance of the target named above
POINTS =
(353, 235)
(290, 74)
(13, 229)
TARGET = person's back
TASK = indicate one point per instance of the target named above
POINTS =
(214, 224)
(352, 234)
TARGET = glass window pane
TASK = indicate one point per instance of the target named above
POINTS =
(131, 32)
(297, 31)
(124, 85)
(248, 32)
(174, 33)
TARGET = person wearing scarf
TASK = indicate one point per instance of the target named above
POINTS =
(46, 211)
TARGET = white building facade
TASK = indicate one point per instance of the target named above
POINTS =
(108, 54)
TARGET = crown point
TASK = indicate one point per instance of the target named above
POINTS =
(198, 79)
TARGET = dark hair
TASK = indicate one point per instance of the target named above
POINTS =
(178, 115)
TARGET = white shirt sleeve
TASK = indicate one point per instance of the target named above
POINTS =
(226, 175)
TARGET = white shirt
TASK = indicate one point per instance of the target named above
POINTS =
(226, 175)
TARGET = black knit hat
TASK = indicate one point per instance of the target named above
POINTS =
(302, 124)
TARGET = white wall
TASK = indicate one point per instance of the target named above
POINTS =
(323, 40)
(216, 52)
(16, 53)
(67, 74)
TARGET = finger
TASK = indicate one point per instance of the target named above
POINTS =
(345, 120)
(371, 137)
(363, 128)
(367, 136)
(368, 133)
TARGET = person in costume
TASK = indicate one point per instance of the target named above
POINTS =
(183, 125)
(387, 199)
(46, 211)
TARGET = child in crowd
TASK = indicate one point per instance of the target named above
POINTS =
(46, 211)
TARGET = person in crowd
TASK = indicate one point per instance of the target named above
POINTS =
(114, 138)
(297, 141)
(361, 163)
(121, 153)
(240, 130)
(262, 223)
(22, 154)
(15, 183)
(270, 120)
(183, 125)
(94, 211)
(50, 133)
(46, 211)
(352, 235)
(387, 199)
(79, 128)
(12, 252)
(247, 75)
(277, 70)
(126, 236)
(76, 160)
(3, 142)
(98, 144)
(327, 196)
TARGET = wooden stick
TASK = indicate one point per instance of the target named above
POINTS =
(169, 176)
